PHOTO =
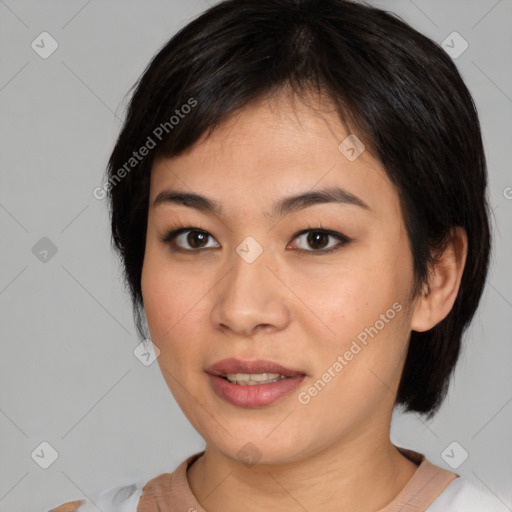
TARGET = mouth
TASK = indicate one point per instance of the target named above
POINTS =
(252, 383)
(253, 379)
(251, 372)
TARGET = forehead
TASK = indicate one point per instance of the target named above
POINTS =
(276, 148)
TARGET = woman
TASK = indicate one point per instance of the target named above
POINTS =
(298, 197)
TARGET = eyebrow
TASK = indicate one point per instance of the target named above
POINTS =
(282, 207)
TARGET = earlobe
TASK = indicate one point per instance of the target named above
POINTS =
(439, 294)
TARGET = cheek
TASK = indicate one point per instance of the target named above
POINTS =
(365, 313)
(167, 295)
(348, 300)
(357, 374)
(164, 288)
(168, 301)
(177, 312)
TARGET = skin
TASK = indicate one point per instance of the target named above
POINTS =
(292, 305)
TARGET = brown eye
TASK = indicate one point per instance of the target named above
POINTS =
(320, 241)
(189, 239)
(317, 239)
(196, 239)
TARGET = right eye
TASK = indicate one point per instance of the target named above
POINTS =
(193, 237)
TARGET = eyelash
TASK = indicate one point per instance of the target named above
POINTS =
(169, 237)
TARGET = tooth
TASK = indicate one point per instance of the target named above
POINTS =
(264, 376)
(254, 378)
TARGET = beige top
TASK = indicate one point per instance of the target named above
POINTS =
(170, 492)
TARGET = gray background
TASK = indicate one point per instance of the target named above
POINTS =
(68, 375)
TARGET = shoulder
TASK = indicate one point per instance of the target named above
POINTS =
(461, 495)
(139, 496)
(114, 499)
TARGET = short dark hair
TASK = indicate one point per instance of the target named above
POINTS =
(395, 88)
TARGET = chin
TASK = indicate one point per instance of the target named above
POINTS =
(258, 447)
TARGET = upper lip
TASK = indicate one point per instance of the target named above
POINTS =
(227, 366)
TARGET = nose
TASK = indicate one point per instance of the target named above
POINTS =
(251, 298)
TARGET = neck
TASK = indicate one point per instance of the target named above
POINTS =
(364, 474)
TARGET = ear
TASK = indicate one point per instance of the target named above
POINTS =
(437, 298)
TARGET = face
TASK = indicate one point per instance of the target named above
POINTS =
(319, 285)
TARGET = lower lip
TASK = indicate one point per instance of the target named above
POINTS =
(257, 395)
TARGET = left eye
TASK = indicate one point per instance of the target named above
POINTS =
(318, 240)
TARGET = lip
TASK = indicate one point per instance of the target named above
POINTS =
(259, 395)
(222, 368)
